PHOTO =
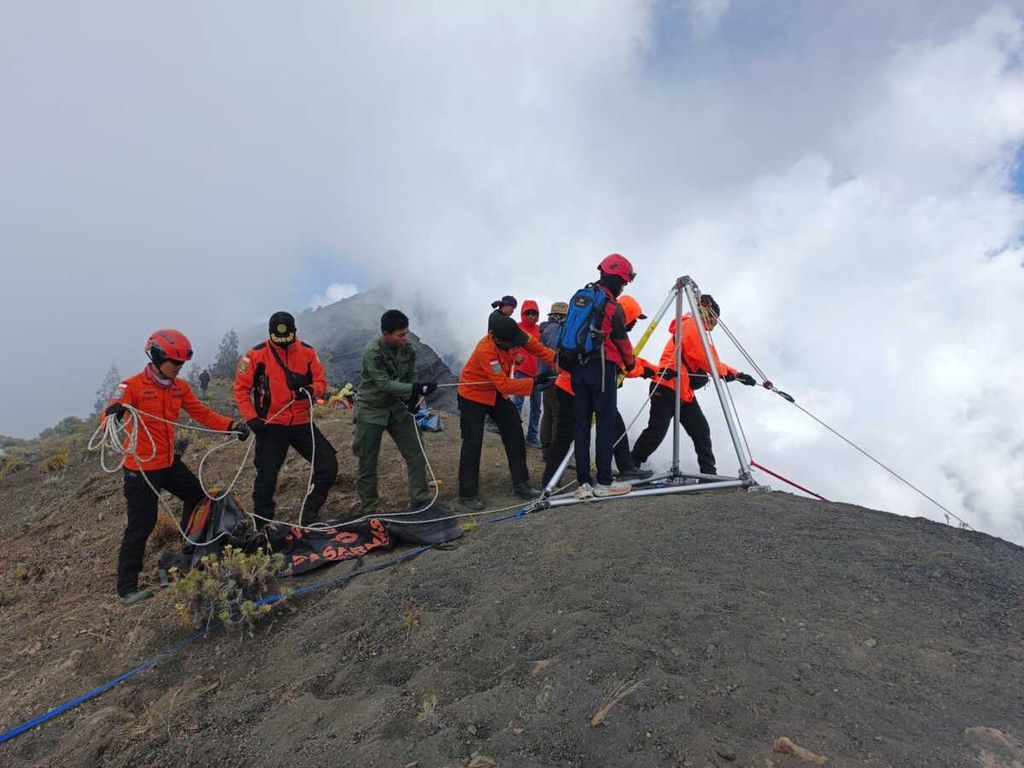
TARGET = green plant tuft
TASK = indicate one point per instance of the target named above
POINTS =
(227, 588)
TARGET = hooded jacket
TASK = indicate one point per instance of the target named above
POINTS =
(528, 365)
(694, 359)
(151, 396)
(263, 387)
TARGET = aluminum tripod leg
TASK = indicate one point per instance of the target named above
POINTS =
(690, 289)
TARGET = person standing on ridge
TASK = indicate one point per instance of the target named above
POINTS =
(204, 382)
(159, 396)
(485, 385)
(663, 388)
(526, 368)
(549, 338)
(594, 374)
(565, 423)
(387, 398)
(275, 385)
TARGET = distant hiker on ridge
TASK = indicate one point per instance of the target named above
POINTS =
(274, 385)
(387, 398)
(204, 382)
(157, 392)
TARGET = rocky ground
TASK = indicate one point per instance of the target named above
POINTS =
(717, 628)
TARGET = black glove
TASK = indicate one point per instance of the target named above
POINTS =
(412, 405)
(242, 430)
(303, 394)
(116, 410)
(668, 374)
(746, 378)
(543, 380)
(423, 389)
(648, 373)
(256, 425)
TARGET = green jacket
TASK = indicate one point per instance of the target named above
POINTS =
(386, 384)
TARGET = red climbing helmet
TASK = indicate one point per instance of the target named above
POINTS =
(168, 344)
(618, 265)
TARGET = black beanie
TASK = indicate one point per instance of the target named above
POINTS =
(282, 328)
(506, 329)
(706, 300)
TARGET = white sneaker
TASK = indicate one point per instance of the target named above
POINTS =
(615, 489)
(584, 492)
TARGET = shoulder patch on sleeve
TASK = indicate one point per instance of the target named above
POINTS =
(495, 366)
(119, 392)
(243, 364)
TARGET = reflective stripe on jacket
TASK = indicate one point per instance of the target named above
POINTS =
(493, 367)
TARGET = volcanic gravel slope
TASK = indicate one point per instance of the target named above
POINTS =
(723, 620)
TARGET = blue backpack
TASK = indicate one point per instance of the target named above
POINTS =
(581, 335)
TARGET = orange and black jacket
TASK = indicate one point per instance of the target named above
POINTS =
(493, 366)
(694, 359)
(145, 392)
(268, 377)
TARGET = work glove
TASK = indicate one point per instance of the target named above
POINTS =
(543, 380)
(648, 373)
(303, 394)
(423, 389)
(668, 374)
(242, 430)
(116, 410)
(256, 425)
(728, 377)
(412, 405)
(746, 378)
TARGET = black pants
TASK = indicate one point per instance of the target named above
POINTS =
(564, 431)
(595, 387)
(142, 513)
(692, 419)
(271, 448)
(548, 415)
(471, 420)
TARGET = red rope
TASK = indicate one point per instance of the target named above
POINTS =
(780, 477)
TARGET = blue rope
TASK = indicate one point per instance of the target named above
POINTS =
(175, 650)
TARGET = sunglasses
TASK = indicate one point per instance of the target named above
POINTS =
(532, 312)
(176, 363)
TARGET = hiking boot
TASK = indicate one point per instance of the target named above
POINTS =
(525, 491)
(534, 444)
(135, 597)
(584, 492)
(614, 489)
(474, 504)
(636, 474)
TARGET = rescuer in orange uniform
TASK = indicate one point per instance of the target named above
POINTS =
(691, 417)
(157, 392)
(485, 386)
(274, 384)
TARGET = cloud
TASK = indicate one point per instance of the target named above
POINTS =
(335, 292)
(839, 176)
